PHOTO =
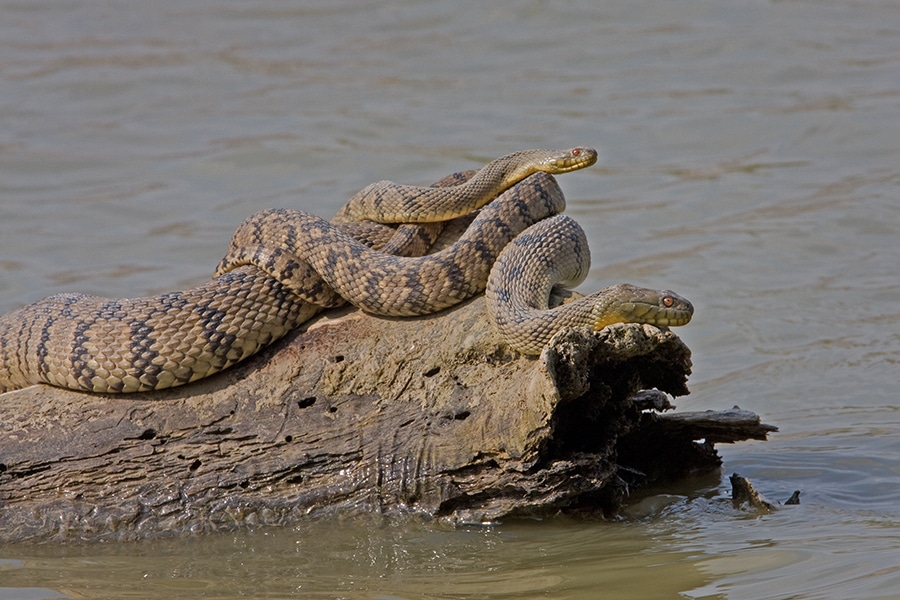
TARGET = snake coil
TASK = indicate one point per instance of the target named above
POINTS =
(284, 265)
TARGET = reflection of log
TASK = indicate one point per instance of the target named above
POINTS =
(743, 494)
(428, 416)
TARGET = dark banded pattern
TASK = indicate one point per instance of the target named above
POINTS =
(290, 270)
(280, 241)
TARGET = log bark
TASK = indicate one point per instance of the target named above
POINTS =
(431, 416)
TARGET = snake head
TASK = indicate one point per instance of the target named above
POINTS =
(626, 303)
(564, 161)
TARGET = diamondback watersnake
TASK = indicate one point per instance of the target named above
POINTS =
(281, 268)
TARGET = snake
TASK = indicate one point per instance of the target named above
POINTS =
(283, 266)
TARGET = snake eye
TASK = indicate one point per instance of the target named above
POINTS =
(668, 301)
(576, 152)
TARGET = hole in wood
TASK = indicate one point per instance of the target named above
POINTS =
(147, 434)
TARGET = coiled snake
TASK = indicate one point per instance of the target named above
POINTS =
(283, 266)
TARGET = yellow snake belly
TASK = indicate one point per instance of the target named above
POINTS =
(124, 345)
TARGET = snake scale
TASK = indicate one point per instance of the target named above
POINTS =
(284, 265)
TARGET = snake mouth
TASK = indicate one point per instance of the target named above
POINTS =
(655, 315)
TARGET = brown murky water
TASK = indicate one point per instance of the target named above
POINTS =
(750, 160)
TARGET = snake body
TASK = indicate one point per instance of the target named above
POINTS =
(298, 244)
(282, 267)
(137, 344)
(521, 281)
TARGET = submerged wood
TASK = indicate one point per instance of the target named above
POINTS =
(430, 416)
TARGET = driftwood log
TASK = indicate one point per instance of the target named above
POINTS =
(430, 416)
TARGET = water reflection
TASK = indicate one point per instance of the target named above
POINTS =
(358, 559)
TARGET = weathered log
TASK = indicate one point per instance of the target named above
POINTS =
(352, 413)
(665, 447)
